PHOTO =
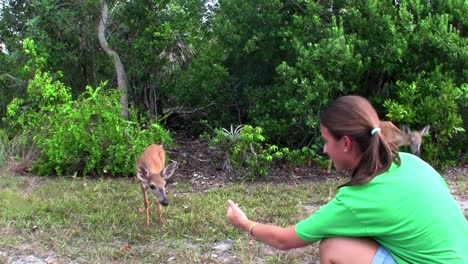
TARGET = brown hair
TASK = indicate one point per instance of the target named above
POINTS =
(354, 116)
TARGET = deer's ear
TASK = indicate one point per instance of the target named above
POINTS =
(142, 173)
(169, 170)
(406, 130)
(425, 130)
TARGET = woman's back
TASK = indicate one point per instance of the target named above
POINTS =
(410, 211)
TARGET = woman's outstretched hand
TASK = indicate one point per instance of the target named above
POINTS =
(235, 215)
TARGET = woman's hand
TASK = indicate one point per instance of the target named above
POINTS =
(235, 215)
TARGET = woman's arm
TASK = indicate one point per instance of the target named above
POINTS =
(277, 237)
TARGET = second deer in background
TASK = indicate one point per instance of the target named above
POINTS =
(399, 138)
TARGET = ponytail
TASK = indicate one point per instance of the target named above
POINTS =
(354, 116)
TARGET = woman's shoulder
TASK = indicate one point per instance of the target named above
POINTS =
(413, 164)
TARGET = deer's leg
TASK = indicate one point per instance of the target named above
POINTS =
(145, 200)
(158, 205)
(330, 166)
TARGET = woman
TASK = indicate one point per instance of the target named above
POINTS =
(395, 208)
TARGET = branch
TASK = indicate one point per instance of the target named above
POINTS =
(12, 77)
(119, 69)
(178, 110)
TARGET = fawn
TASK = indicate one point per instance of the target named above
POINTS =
(152, 174)
(399, 138)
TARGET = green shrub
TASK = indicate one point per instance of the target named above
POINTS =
(432, 99)
(89, 136)
(83, 136)
(305, 155)
(246, 151)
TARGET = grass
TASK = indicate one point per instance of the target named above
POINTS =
(102, 221)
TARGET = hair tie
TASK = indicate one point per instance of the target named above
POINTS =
(375, 130)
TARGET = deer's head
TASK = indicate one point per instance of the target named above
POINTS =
(156, 182)
(414, 138)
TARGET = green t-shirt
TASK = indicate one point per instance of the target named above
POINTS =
(408, 210)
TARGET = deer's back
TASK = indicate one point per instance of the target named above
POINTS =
(153, 158)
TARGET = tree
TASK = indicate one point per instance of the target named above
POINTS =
(119, 68)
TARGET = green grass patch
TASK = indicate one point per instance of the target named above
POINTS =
(103, 221)
(461, 181)
(10, 183)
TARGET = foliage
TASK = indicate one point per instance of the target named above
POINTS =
(42, 92)
(82, 136)
(275, 64)
(323, 68)
(340, 54)
(88, 136)
(431, 99)
(246, 149)
(155, 39)
(304, 155)
(203, 88)
(236, 54)
(66, 36)
(225, 140)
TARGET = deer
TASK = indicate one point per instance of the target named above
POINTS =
(398, 138)
(152, 174)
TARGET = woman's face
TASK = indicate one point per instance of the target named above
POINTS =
(337, 150)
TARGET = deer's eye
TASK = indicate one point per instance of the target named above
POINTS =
(152, 186)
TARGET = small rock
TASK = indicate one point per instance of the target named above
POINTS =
(29, 260)
(223, 246)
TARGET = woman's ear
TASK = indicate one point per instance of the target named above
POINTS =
(347, 143)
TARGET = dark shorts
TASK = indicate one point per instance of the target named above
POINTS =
(383, 257)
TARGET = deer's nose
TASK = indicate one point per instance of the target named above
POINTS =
(165, 202)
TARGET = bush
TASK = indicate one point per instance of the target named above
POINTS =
(246, 151)
(432, 99)
(85, 136)
(305, 155)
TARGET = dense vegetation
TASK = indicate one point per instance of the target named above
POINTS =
(77, 98)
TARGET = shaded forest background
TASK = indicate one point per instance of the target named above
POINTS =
(87, 84)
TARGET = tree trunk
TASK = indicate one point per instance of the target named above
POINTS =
(119, 69)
